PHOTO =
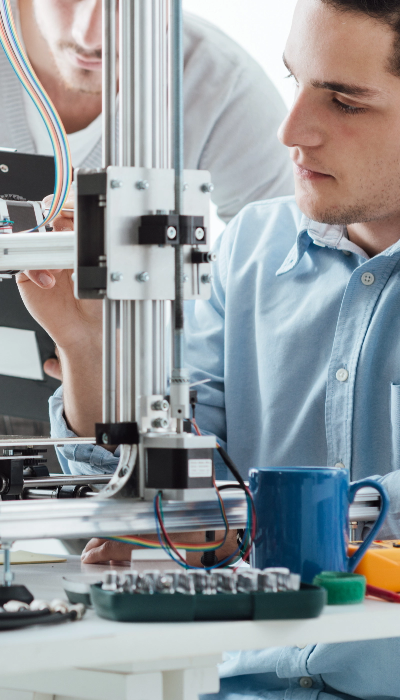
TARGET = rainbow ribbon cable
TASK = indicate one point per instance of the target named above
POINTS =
(21, 65)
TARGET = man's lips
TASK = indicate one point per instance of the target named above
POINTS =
(82, 62)
(307, 174)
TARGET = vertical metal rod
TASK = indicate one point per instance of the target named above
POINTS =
(128, 110)
(108, 158)
(7, 573)
(177, 67)
(109, 82)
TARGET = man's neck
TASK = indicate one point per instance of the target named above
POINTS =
(375, 236)
(76, 109)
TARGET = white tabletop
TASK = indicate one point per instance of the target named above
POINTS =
(97, 641)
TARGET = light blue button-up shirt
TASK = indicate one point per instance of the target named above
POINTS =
(303, 352)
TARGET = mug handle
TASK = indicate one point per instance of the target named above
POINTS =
(358, 555)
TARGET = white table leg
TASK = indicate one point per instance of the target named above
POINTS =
(80, 684)
(189, 683)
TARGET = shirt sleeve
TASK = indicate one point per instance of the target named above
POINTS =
(246, 160)
(75, 458)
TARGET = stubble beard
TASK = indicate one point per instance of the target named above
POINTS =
(74, 79)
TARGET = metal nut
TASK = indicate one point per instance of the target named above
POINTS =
(159, 423)
(142, 185)
(15, 606)
(199, 234)
(114, 184)
(206, 279)
(39, 605)
(171, 233)
(160, 405)
(58, 605)
(207, 187)
(143, 277)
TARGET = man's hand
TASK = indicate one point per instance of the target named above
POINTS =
(75, 325)
(99, 551)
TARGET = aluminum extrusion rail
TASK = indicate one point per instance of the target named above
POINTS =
(37, 251)
(95, 517)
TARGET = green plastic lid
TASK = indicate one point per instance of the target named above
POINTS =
(342, 588)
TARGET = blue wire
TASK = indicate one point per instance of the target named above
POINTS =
(188, 566)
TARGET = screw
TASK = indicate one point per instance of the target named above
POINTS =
(114, 184)
(171, 232)
(160, 405)
(124, 471)
(207, 187)
(206, 279)
(211, 257)
(159, 423)
(104, 439)
(116, 276)
(142, 185)
(199, 234)
(185, 278)
(185, 186)
(143, 277)
(4, 168)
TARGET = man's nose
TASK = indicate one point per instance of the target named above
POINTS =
(86, 30)
(303, 125)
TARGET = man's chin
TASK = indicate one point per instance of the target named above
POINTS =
(320, 210)
(80, 80)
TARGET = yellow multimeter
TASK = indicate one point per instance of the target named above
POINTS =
(380, 564)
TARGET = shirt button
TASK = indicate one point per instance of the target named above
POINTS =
(306, 682)
(339, 465)
(367, 278)
(342, 374)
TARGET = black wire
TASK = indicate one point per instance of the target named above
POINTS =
(232, 467)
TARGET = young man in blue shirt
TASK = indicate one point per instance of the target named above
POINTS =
(301, 336)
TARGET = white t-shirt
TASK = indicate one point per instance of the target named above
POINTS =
(81, 142)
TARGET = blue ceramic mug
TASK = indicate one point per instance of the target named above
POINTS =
(303, 519)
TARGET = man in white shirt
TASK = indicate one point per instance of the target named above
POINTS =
(232, 110)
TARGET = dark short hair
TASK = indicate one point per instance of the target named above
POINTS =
(386, 11)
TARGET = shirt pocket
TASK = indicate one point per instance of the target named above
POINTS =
(395, 424)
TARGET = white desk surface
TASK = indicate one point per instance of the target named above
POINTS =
(94, 641)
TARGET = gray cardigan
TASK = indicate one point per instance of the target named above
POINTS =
(232, 113)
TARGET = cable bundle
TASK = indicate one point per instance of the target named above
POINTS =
(21, 65)
(171, 548)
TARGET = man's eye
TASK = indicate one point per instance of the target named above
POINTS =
(348, 109)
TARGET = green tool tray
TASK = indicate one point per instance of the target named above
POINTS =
(285, 605)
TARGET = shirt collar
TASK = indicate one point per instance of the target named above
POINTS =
(324, 235)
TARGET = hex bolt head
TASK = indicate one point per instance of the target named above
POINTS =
(206, 279)
(143, 277)
(171, 233)
(114, 184)
(4, 168)
(116, 276)
(199, 234)
(104, 439)
(160, 405)
(159, 423)
(207, 187)
(142, 185)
